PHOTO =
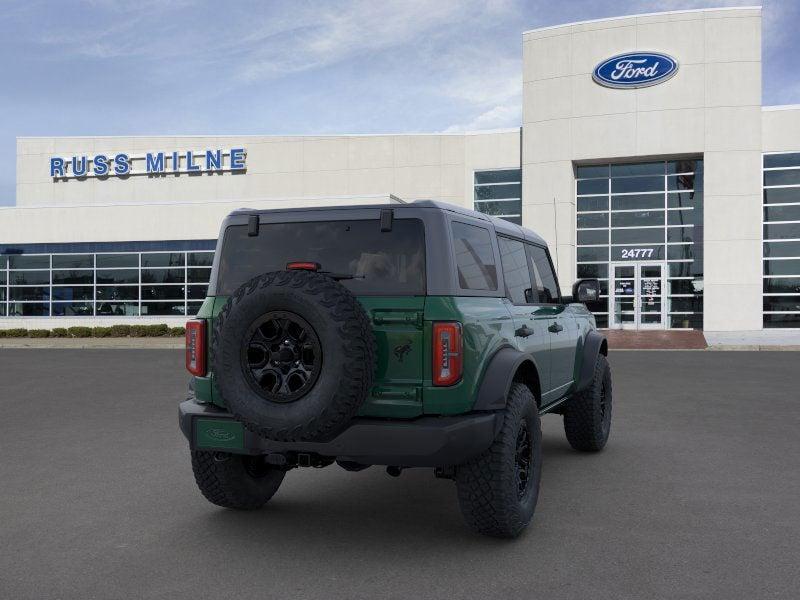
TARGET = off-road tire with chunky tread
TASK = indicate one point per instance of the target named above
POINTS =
(348, 355)
(487, 487)
(225, 479)
(587, 416)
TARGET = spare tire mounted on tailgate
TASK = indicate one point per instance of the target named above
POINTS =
(293, 355)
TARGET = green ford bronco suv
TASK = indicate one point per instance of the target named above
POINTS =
(404, 335)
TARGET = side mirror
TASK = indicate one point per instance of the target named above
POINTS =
(586, 290)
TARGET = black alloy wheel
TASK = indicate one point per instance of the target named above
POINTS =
(281, 357)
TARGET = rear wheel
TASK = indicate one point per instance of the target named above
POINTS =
(235, 480)
(498, 490)
(587, 416)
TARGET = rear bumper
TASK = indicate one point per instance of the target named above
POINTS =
(422, 442)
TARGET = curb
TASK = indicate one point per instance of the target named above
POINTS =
(160, 343)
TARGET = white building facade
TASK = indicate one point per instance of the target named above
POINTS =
(660, 173)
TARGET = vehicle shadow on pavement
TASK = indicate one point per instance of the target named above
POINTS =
(365, 507)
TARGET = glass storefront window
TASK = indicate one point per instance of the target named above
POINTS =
(103, 284)
(781, 287)
(499, 193)
(652, 212)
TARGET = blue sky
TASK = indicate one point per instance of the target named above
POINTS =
(154, 67)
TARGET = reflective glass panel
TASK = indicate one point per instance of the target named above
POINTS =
(73, 261)
(199, 275)
(27, 261)
(29, 277)
(117, 260)
(118, 276)
(200, 259)
(163, 308)
(593, 220)
(28, 309)
(163, 259)
(117, 309)
(73, 292)
(73, 309)
(163, 276)
(120, 292)
(782, 267)
(788, 177)
(162, 292)
(782, 160)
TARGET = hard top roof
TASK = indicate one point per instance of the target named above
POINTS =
(500, 225)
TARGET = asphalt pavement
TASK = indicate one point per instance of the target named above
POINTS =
(696, 496)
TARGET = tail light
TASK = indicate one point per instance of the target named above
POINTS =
(303, 266)
(448, 359)
(196, 347)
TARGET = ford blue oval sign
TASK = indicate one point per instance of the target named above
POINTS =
(635, 70)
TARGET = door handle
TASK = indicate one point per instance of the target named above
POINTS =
(523, 331)
(555, 328)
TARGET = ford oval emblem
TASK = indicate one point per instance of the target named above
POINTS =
(220, 435)
(635, 70)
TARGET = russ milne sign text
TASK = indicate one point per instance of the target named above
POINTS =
(151, 163)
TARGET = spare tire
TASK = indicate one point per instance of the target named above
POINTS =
(293, 355)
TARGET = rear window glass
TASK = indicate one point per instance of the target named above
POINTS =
(390, 263)
(474, 257)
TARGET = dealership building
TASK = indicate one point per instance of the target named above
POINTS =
(645, 158)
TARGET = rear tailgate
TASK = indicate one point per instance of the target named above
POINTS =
(399, 335)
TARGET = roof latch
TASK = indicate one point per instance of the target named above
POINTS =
(387, 216)
(252, 225)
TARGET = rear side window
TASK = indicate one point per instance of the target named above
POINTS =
(515, 270)
(545, 286)
(474, 257)
(390, 263)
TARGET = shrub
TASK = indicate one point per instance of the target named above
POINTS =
(156, 330)
(177, 331)
(101, 332)
(38, 333)
(80, 332)
(59, 332)
(120, 330)
(138, 331)
(16, 332)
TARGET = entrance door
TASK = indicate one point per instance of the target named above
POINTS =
(636, 295)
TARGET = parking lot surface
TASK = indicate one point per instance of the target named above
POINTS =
(696, 496)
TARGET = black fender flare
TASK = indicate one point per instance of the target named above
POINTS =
(498, 377)
(594, 345)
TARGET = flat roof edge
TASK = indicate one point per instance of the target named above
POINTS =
(651, 14)
(268, 135)
(389, 198)
(781, 107)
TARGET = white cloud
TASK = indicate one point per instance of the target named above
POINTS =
(497, 117)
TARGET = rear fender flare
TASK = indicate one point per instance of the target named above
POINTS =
(498, 377)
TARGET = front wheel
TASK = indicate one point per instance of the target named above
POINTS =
(235, 480)
(498, 490)
(587, 416)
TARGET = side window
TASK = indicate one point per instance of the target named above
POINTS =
(474, 257)
(545, 286)
(515, 270)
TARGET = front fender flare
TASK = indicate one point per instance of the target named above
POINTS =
(498, 377)
(594, 345)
